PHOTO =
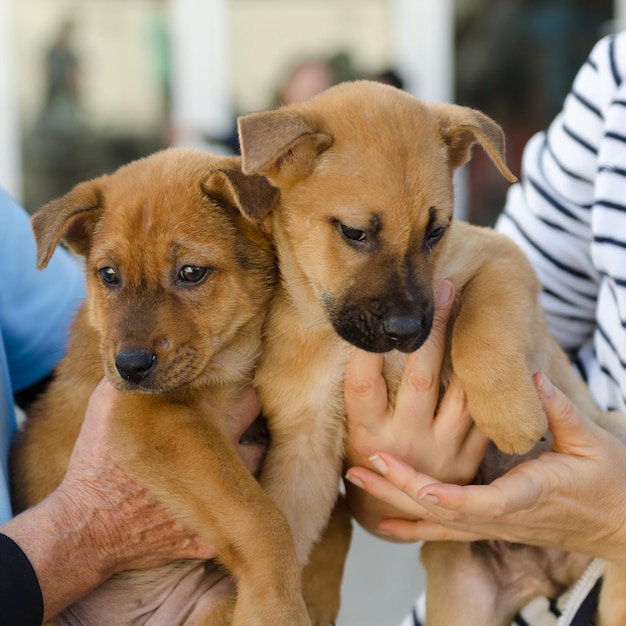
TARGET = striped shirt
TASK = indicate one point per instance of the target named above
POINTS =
(568, 214)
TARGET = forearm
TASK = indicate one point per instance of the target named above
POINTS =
(61, 548)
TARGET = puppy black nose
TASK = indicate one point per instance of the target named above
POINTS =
(400, 328)
(134, 365)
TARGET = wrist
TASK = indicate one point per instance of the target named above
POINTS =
(55, 539)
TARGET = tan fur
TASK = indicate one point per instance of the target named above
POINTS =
(150, 219)
(364, 234)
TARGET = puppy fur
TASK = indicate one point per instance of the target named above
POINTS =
(178, 282)
(364, 233)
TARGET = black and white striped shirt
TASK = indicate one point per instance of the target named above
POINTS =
(569, 215)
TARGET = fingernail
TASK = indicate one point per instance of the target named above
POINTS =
(381, 532)
(545, 386)
(355, 481)
(379, 464)
(428, 497)
(443, 293)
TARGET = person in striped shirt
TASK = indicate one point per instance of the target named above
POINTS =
(568, 214)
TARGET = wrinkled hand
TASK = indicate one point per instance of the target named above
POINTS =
(446, 444)
(128, 524)
(571, 498)
(100, 521)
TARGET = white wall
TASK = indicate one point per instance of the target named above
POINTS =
(423, 32)
(201, 100)
(10, 161)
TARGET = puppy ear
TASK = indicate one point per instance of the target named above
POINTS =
(462, 127)
(71, 218)
(252, 195)
(279, 144)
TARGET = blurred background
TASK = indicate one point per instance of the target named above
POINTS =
(87, 85)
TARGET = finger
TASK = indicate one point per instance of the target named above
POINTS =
(475, 445)
(95, 431)
(449, 501)
(365, 391)
(424, 530)
(384, 491)
(418, 393)
(400, 475)
(572, 432)
(453, 421)
(513, 492)
(100, 403)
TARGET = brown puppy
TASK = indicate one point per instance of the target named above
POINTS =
(364, 234)
(178, 282)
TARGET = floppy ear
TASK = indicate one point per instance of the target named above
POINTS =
(279, 144)
(252, 195)
(71, 218)
(462, 127)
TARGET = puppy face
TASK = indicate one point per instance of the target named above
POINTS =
(174, 271)
(366, 198)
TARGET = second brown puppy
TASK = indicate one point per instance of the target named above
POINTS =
(364, 233)
(178, 281)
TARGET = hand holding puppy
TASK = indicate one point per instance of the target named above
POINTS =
(444, 443)
(116, 524)
(571, 498)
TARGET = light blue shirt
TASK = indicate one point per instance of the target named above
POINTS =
(36, 309)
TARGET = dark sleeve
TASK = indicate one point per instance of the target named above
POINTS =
(21, 601)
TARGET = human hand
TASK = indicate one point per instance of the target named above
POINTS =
(128, 525)
(571, 498)
(100, 520)
(446, 445)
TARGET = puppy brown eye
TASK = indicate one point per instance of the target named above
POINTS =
(353, 234)
(435, 235)
(109, 276)
(192, 274)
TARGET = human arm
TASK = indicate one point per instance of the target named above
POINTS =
(442, 441)
(571, 498)
(100, 521)
(36, 307)
(565, 209)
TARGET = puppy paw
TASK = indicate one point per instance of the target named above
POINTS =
(514, 422)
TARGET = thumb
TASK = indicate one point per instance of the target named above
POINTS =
(100, 404)
(96, 426)
(571, 430)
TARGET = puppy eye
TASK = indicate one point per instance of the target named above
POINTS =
(109, 276)
(193, 274)
(435, 235)
(353, 234)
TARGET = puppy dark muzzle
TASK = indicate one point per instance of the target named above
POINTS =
(402, 329)
(135, 365)
(404, 333)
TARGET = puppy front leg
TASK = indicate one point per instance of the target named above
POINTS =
(492, 343)
(189, 464)
(302, 470)
(323, 573)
